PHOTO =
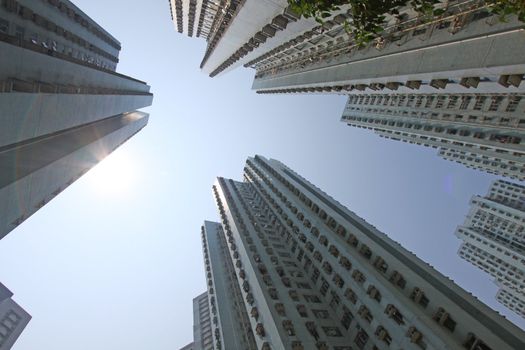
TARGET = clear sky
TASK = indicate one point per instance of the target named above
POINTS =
(114, 261)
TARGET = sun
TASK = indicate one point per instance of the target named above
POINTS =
(115, 174)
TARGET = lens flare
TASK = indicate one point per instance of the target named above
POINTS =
(115, 174)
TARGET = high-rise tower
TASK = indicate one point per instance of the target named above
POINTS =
(494, 240)
(465, 49)
(480, 130)
(63, 107)
(453, 82)
(313, 275)
(202, 327)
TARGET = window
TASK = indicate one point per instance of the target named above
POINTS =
(338, 280)
(347, 318)
(280, 309)
(273, 293)
(429, 101)
(334, 303)
(332, 331)
(312, 329)
(288, 327)
(334, 251)
(352, 240)
(303, 285)
(394, 314)
(358, 276)
(465, 101)
(321, 314)
(443, 318)
(361, 338)
(383, 335)
(345, 263)
(495, 103)
(452, 101)
(364, 312)
(365, 251)
(296, 345)
(374, 293)
(440, 101)
(474, 343)
(416, 337)
(513, 103)
(324, 287)
(312, 299)
(419, 297)
(301, 309)
(398, 279)
(327, 267)
(480, 101)
(315, 274)
(4, 26)
(380, 264)
(350, 295)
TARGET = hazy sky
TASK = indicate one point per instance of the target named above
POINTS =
(113, 263)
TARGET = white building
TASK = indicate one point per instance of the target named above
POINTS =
(313, 275)
(63, 107)
(13, 319)
(465, 49)
(493, 237)
(482, 131)
(453, 82)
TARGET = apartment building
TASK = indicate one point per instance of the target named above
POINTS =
(494, 241)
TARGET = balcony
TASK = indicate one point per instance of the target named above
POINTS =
(443, 318)
(394, 314)
(345, 263)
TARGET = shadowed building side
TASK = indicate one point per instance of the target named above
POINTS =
(34, 172)
(13, 319)
(63, 106)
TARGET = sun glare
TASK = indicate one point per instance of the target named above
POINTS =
(115, 174)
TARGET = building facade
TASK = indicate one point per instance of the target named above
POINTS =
(232, 328)
(310, 274)
(202, 337)
(453, 82)
(63, 106)
(494, 240)
(13, 319)
(457, 52)
(202, 327)
(481, 131)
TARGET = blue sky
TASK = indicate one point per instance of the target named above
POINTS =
(117, 269)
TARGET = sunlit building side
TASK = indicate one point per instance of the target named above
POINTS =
(310, 274)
